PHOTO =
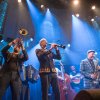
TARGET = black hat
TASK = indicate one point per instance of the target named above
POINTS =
(90, 51)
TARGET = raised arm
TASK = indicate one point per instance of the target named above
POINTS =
(24, 56)
(4, 51)
(57, 55)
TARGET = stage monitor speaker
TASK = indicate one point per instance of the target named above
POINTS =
(91, 94)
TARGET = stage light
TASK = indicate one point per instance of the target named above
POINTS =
(48, 10)
(96, 53)
(68, 45)
(92, 19)
(93, 8)
(75, 2)
(31, 39)
(42, 6)
(19, 1)
(77, 15)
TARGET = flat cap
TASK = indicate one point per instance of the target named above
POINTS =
(90, 51)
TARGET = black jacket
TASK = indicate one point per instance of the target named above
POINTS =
(7, 56)
(45, 58)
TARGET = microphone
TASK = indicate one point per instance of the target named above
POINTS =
(61, 46)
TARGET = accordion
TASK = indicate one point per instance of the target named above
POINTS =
(29, 73)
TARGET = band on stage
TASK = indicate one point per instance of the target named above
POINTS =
(14, 73)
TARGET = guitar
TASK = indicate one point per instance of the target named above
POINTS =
(76, 79)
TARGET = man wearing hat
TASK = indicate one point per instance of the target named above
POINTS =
(89, 69)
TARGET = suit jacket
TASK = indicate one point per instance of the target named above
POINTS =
(87, 69)
(7, 56)
(45, 58)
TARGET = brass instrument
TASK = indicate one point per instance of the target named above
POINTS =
(23, 32)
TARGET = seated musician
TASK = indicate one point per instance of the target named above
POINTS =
(76, 79)
(89, 68)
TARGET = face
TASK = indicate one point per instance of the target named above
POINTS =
(91, 55)
(16, 49)
(72, 67)
(43, 43)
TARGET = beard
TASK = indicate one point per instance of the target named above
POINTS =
(15, 50)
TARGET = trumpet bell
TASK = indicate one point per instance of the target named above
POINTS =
(23, 32)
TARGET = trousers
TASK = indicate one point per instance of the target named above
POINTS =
(46, 81)
(13, 80)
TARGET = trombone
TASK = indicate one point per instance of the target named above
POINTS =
(23, 32)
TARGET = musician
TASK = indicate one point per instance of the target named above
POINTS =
(76, 79)
(89, 69)
(9, 74)
(73, 71)
(66, 91)
(47, 69)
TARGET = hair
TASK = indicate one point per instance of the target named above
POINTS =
(43, 39)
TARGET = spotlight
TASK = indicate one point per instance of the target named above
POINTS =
(42, 6)
(48, 10)
(92, 19)
(31, 39)
(77, 15)
(93, 8)
(75, 2)
(19, 1)
(96, 53)
(68, 45)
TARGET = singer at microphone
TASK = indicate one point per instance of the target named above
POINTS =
(61, 46)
